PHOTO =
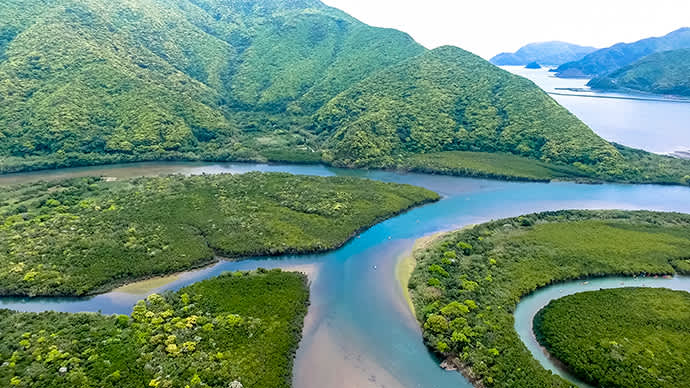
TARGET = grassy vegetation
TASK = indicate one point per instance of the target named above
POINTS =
(241, 327)
(85, 235)
(490, 165)
(92, 82)
(629, 337)
(467, 284)
(662, 73)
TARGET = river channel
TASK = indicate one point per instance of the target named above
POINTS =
(359, 331)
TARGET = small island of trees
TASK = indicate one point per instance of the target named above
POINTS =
(627, 337)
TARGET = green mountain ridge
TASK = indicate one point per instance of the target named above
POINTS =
(415, 107)
(552, 53)
(89, 82)
(166, 75)
(611, 58)
(667, 72)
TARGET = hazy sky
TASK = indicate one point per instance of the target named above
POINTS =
(487, 27)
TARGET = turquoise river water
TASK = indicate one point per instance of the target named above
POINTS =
(359, 331)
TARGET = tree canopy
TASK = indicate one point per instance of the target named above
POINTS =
(86, 235)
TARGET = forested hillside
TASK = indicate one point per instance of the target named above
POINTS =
(87, 82)
(449, 99)
(141, 79)
(667, 72)
(609, 59)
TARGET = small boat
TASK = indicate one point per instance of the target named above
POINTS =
(375, 268)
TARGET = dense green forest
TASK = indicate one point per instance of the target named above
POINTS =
(90, 82)
(414, 108)
(552, 53)
(467, 284)
(619, 55)
(236, 330)
(99, 80)
(666, 72)
(627, 338)
(86, 235)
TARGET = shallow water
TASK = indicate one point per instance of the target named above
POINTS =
(359, 330)
(530, 305)
(661, 126)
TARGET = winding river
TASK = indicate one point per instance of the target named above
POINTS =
(359, 331)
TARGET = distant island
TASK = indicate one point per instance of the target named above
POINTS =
(552, 53)
(667, 72)
(533, 65)
(609, 59)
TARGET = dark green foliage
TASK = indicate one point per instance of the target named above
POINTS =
(609, 59)
(547, 53)
(491, 165)
(489, 267)
(667, 72)
(629, 337)
(238, 326)
(6, 36)
(85, 235)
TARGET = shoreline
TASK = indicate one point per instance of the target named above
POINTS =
(406, 264)
(560, 92)
(151, 284)
(43, 173)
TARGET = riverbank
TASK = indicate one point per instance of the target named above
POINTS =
(360, 309)
(470, 281)
(147, 286)
(530, 305)
(470, 164)
(407, 263)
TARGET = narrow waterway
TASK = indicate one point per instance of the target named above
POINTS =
(359, 331)
(530, 305)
